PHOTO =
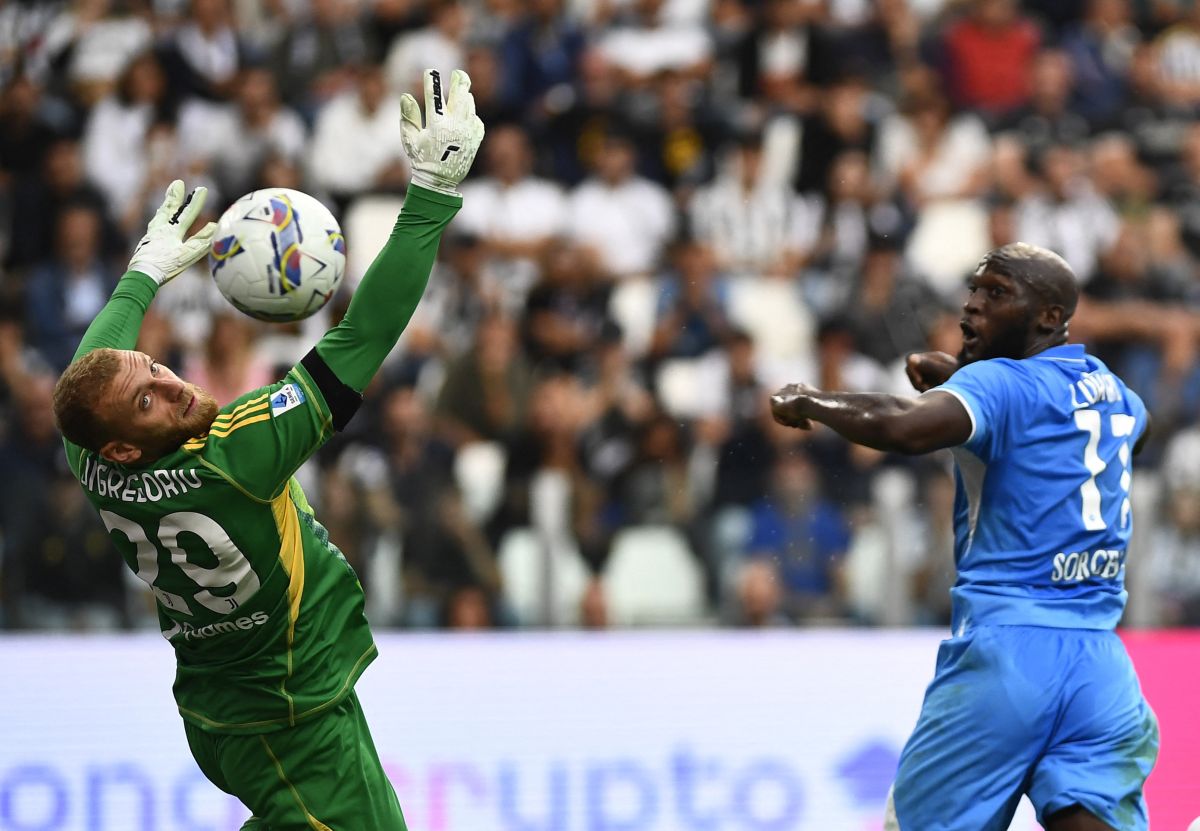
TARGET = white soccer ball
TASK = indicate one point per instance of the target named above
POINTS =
(278, 254)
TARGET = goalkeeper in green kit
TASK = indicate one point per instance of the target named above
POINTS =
(265, 615)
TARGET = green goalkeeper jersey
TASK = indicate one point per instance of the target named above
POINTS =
(264, 613)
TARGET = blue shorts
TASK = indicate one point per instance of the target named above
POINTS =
(1057, 714)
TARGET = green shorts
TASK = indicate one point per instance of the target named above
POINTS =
(323, 775)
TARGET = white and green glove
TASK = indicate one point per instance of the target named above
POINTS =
(441, 152)
(163, 253)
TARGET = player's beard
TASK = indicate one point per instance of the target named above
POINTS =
(1010, 342)
(167, 439)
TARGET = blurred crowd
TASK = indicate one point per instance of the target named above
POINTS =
(680, 205)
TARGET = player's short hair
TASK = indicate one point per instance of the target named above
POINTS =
(1042, 271)
(77, 399)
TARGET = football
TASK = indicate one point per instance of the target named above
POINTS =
(278, 254)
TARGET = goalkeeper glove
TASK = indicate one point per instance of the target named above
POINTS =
(441, 152)
(163, 253)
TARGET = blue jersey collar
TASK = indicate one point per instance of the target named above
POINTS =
(1068, 351)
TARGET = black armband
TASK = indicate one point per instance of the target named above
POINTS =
(343, 401)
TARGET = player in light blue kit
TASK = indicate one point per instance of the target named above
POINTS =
(1034, 693)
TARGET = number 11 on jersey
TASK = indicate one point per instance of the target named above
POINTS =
(1121, 426)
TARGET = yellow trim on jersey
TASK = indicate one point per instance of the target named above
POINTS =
(222, 432)
(291, 557)
(226, 423)
(241, 408)
(312, 821)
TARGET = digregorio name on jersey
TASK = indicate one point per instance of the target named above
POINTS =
(144, 486)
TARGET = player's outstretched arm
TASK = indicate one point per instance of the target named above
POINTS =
(441, 153)
(884, 422)
(161, 255)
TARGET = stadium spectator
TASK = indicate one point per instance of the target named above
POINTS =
(1047, 117)
(841, 122)
(203, 56)
(1100, 48)
(893, 309)
(355, 147)
(752, 222)
(930, 153)
(232, 143)
(985, 54)
(540, 58)
(675, 128)
(774, 57)
(94, 38)
(26, 132)
(805, 537)
(1178, 53)
(576, 124)
(63, 574)
(64, 292)
(641, 43)
(114, 142)
(1068, 215)
(625, 219)
(438, 45)
(230, 364)
(44, 193)
(486, 392)
(566, 311)
(319, 54)
(461, 293)
(693, 316)
(1174, 558)
(516, 213)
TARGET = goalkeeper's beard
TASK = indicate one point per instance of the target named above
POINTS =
(166, 439)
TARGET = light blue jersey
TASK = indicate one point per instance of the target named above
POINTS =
(1042, 514)
(1035, 694)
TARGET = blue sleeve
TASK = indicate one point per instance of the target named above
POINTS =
(992, 393)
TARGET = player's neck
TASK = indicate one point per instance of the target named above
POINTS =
(1039, 345)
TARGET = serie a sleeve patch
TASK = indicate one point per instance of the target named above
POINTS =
(287, 397)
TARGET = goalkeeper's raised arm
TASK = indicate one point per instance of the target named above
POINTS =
(441, 153)
(441, 149)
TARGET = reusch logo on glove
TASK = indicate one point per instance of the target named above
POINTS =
(437, 91)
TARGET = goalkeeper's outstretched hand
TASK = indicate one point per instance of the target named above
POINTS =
(441, 152)
(163, 253)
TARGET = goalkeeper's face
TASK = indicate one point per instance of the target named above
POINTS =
(152, 409)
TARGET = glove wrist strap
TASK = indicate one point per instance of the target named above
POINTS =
(431, 182)
(150, 270)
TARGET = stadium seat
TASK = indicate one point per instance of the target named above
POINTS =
(773, 313)
(652, 577)
(694, 387)
(525, 566)
(366, 226)
(634, 306)
(948, 242)
(479, 474)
